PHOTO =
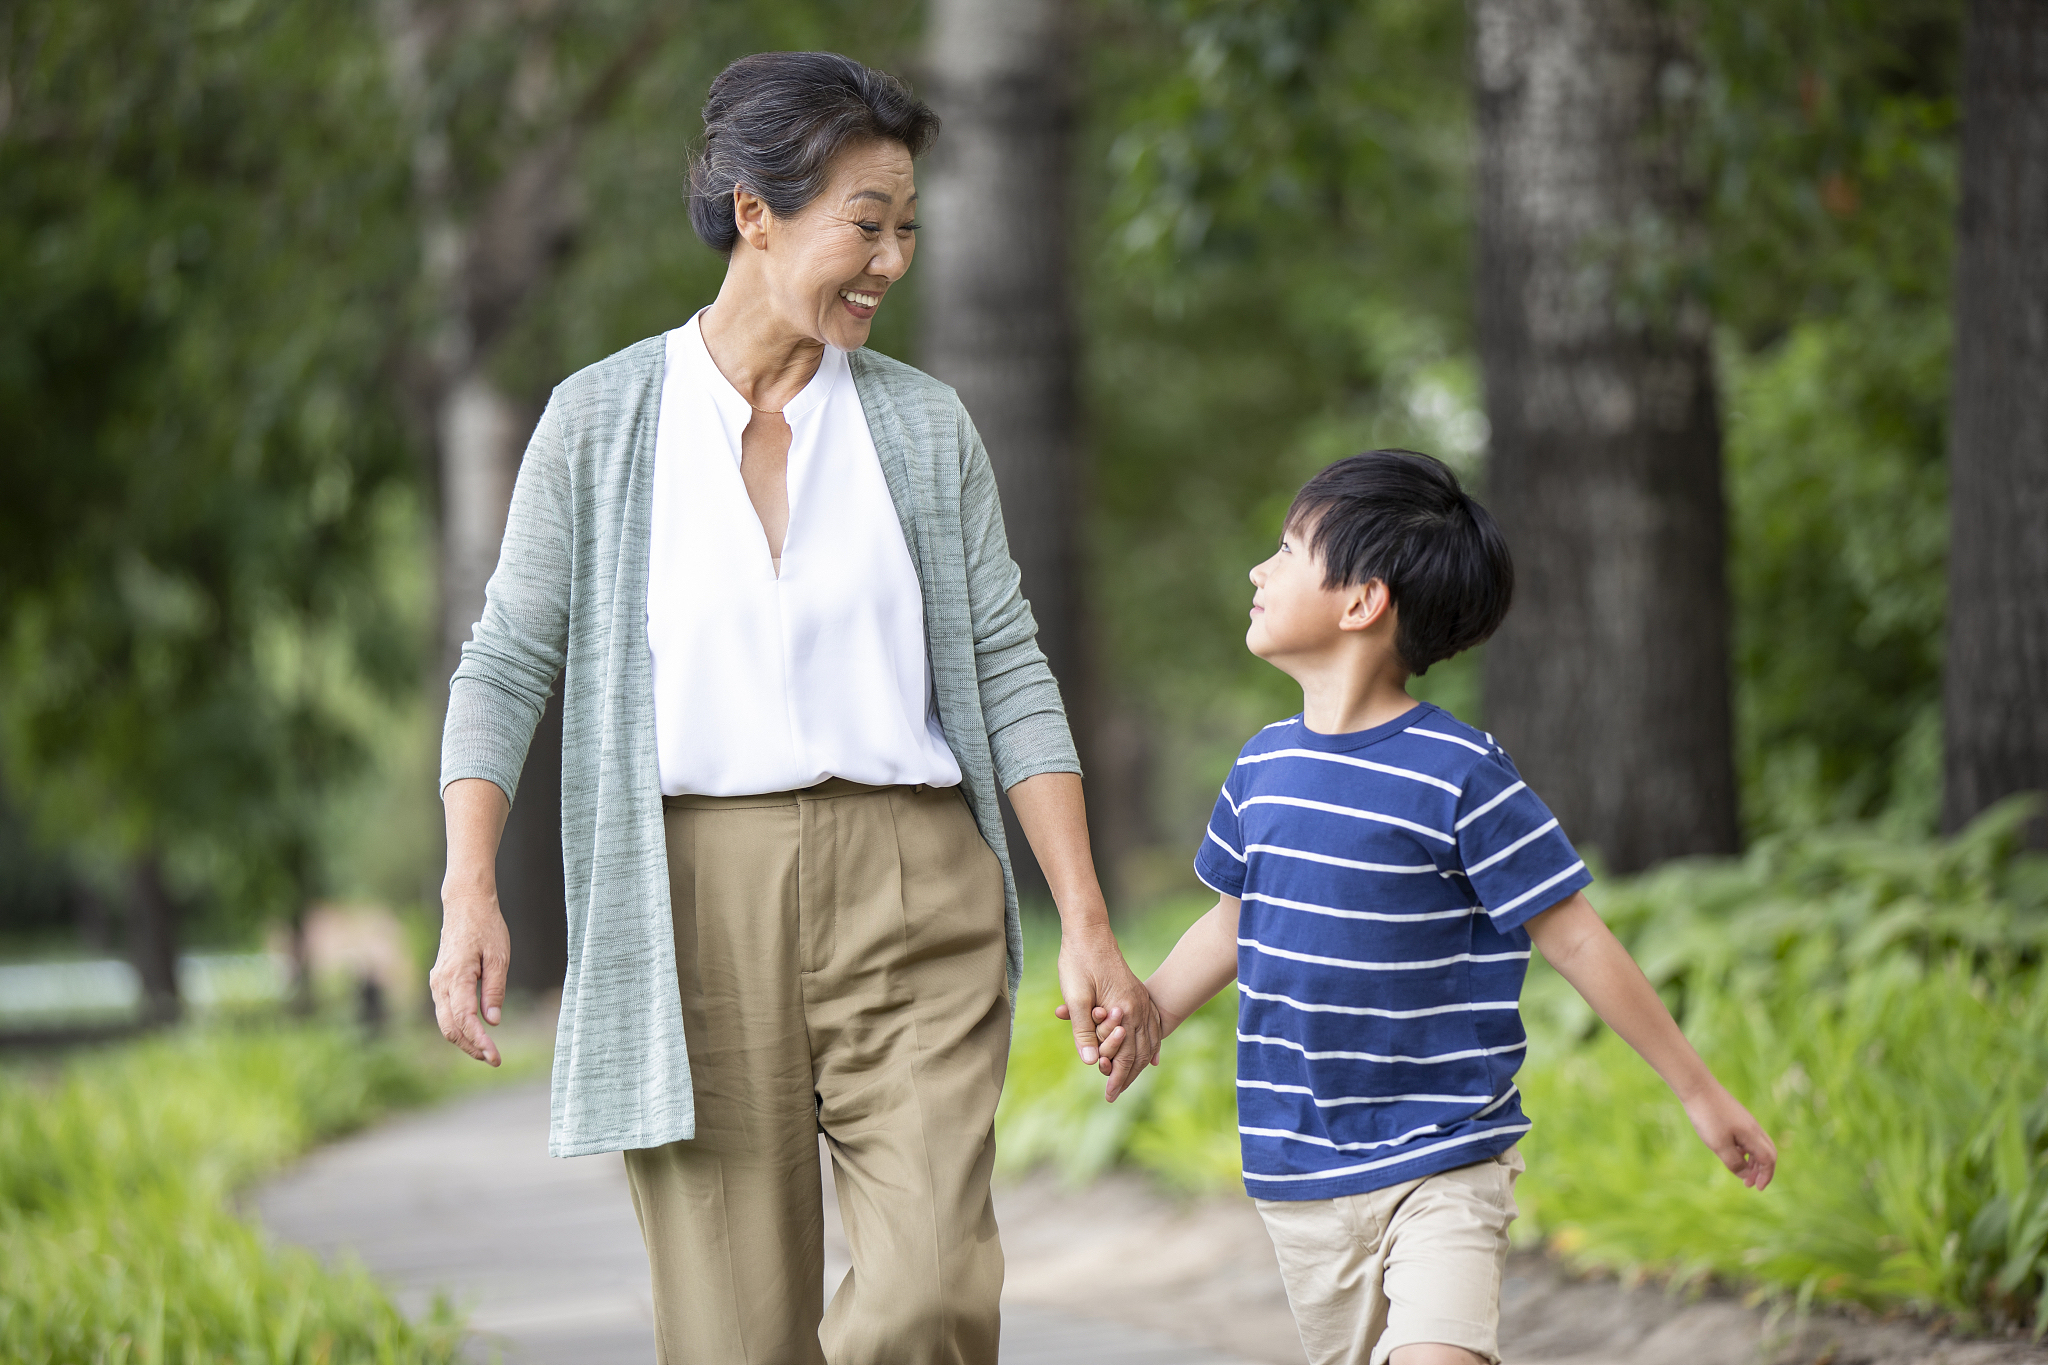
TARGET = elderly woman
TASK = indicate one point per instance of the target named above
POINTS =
(770, 566)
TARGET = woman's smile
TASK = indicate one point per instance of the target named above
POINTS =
(861, 302)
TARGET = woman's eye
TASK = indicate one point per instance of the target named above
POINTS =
(910, 227)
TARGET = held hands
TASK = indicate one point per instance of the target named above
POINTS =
(1733, 1135)
(1116, 1027)
(476, 950)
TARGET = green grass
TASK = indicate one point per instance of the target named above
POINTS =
(1879, 1001)
(117, 1243)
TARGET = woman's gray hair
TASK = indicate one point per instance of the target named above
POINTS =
(773, 123)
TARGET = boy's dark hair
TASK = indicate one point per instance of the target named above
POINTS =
(1401, 517)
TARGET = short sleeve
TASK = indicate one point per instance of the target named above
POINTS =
(1220, 860)
(1512, 851)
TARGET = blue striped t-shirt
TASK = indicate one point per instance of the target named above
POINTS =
(1385, 877)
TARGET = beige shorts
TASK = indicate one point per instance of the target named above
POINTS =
(1417, 1262)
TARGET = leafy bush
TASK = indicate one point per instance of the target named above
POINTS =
(116, 1237)
(1880, 1002)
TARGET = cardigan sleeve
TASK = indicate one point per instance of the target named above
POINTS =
(1020, 700)
(509, 664)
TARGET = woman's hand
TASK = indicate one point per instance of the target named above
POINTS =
(1116, 1026)
(476, 948)
(1092, 968)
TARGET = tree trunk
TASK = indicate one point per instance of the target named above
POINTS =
(1609, 681)
(481, 271)
(1995, 682)
(153, 938)
(480, 436)
(996, 323)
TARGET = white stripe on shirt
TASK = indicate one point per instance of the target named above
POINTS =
(1306, 856)
(1305, 804)
(1349, 761)
(1310, 907)
(1531, 837)
(1225, 847)
(1448, 739)
(1463, 1054)
(1374, 1011)
(1537, 890)
(1504, 794)
(1370, 1099)
(1360, 1099)
(1292, 1136)
(1512, 1091)
(1393, 1160)
(1293, 956)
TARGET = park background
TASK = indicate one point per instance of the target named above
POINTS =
(1678, 285)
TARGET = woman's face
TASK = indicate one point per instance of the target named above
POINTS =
(828, 267)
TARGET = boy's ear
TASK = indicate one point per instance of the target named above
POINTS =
(1369, 604)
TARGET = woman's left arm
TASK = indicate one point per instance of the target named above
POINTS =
(1092, 967)
(1034, 754)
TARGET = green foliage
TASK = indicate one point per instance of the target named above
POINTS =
(1882, 1006)
(1829, 147)
(1879, 1000)
(1177, 1123)
(1838, 493)
(114, 1179)
(1278, 220)
(200, 258)
(1275, 272)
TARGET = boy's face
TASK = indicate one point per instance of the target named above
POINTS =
(1294, 617)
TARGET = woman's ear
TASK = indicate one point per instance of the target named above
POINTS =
(751, 215)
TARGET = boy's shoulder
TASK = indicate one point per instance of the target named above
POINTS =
(1428, 736)
(1427, 756)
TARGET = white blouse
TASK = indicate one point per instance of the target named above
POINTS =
(767, 684)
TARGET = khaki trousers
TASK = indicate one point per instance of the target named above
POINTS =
(841, 957)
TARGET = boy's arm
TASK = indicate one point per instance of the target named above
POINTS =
(1201, 964)
(1573, 939)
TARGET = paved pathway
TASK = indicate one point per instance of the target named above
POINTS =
(545, 1255)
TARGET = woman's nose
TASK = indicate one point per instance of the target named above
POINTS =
(891, 261)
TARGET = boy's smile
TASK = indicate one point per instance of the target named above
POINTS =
(1338, 643)
(1292, 612)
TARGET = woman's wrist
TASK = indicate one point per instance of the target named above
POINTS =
(469, 886)
(1083, 914)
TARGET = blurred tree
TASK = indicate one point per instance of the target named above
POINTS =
(1829, 148)
(1273, 271)
(995, 310)
(199, 258)
(500, 100)
(1610, 679)
(1996, 702)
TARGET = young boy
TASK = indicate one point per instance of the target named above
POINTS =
(1383, 871)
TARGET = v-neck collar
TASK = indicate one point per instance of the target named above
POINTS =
(733, 407)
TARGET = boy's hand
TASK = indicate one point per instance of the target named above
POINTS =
(1109, 1033)
(1093, 974)
(1734, 1135)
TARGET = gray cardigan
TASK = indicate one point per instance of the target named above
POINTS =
(569, 596)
